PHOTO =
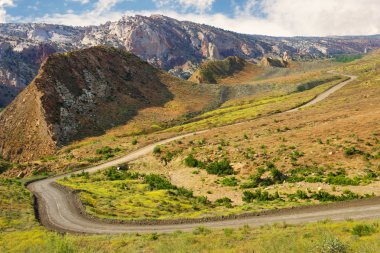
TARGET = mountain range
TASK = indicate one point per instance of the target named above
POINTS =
(175, 46)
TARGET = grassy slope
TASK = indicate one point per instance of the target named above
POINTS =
(27, 236)
(337, 136)
(246, 109)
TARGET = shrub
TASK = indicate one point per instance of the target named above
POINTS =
(191, 162)
(317, 179)
(323, 196)
(227, 202)
(258, 195)
(185, 192)
(157, 182)
(228, 231)
(107, 150)
(364, 229)
(222, 168)
(202, 200)
(351, 151)
(157, 150)
(134, 142)
(333, 245)
(201, 231)
(248, 185)
(168, 157)
(277, 175)
(301, 194)
(4, 166)
(113, 174)
(229, 181)
(341, 180)
(83, 174)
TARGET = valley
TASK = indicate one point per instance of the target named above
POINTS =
(257, 155)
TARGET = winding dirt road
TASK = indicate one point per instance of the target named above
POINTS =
(57, 210)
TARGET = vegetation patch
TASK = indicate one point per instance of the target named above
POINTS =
(120, 194)
(365, 229)
(345, 58)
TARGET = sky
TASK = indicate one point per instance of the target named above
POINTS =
(268, 17)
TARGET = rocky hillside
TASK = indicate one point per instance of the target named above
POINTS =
(166, 43)
(215, 71)
(84, 93)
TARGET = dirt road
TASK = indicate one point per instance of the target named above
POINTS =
(57, 210)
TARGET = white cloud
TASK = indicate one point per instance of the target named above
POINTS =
(310, 17)
(3, 12)
(200, 6)
(276, 17)
(101, 13)
(81, 1)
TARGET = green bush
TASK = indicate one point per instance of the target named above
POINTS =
(249, 185)
(201, 231)
(227, 202)
(364, 229)
(107, 150)
(113, 174)
(185, 192)
(229, 181)
(301, 194)
(191, 162)
(323, 196)
(333, 245)
(157, 150)
(157, 182)
(4, 166)
(202, 200)
(222, 168)
(311, 179)
(258, 195)
(277, 175)
(351, 151)
(341, 180)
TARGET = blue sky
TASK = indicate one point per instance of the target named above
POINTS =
(270, 17)
(39, 8)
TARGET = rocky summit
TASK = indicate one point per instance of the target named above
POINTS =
(167, 43)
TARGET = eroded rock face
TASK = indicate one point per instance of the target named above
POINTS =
(164, 42)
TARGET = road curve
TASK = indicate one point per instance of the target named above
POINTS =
(57, 209)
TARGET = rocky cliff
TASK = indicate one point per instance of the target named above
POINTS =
(164, 42)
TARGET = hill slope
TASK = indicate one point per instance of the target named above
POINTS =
(86, 92)
(215, 71)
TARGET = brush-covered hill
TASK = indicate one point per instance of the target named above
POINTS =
(84, 93)
(218, 71)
